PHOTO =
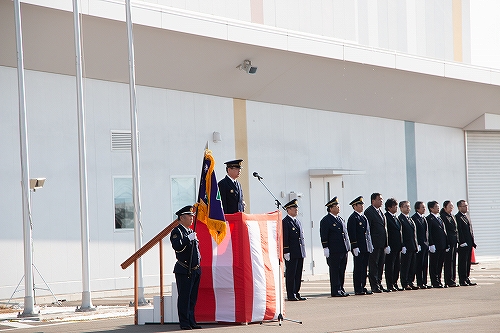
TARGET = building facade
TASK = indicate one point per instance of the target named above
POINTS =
(350, 98)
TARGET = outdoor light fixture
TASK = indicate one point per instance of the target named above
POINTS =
(36, 183)
(216, 137)
(246, 66)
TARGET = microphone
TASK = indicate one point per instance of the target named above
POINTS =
(256, 175)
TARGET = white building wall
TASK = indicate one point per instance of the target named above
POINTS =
(283, 144)
(381, 24)
(440, 153)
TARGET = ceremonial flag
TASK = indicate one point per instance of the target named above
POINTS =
(209, 205)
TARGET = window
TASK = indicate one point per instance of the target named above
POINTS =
(124, 203)
(183, 192)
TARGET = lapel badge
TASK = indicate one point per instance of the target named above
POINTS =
(293, 228)
(231, 191)
(334, 224)
(360, 223)
(174, 236)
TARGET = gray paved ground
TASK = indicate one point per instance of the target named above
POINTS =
(463, 309)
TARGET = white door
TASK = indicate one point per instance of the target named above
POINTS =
(322, 189)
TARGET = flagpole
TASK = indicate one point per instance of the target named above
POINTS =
(196, 214)
(135, 153)
(29, 302)
(84, 221)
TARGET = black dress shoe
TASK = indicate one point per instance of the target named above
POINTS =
(428, 287)
(196, 327)
(451, 285)
(186, 328)
(472, 283)
(377, 291)
(437, 286)
(302, 298)
(413, 287)
(292, 299)
(386, 290)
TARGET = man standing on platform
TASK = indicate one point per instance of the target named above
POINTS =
(422, 258)
(294, 251)
(394, 240)
(466, 241)
(437, 244)
(335, 241)
(410, 246)
(361, 245)
(187, 268)
(230, 189)
(378, 230)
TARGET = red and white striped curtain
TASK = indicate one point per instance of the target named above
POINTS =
(240, 279)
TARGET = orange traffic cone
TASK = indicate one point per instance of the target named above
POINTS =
(473, 257)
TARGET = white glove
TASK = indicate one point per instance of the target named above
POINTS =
(355, 251)
(192, 236)
(419, 248)
(387, 250)
(326, 252)
(447, 250)
(463, 245)
(432, 248)
(287, 256)
(403, 250)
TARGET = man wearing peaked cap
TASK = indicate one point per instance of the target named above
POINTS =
(294, 251)
(230, 189)
(187, 277)
(336, 245)
(361, 244)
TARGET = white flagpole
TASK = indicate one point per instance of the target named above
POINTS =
(29, 301)
(84, 221)
(135, 153)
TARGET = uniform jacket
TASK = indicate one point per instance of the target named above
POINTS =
(422, 230)
(332, 234)
(359, 232)
(378, 227)
(182, 247)
(293, 238)
(437, 233)
(409, 233)
(451, 228)
(394, 236)
(231, 196)
(465, 233)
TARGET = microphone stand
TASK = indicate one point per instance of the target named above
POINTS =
(278, 205)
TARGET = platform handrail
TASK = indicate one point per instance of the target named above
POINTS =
(158, 239)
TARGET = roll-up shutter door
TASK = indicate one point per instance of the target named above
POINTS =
(483, 159)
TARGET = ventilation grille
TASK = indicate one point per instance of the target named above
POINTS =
(121, 141)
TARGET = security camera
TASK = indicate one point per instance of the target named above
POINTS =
(247, 67)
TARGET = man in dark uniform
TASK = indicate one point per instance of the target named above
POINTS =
(450, 258)
(336, 245)
(187, 268)
(378, 230)
(422, 258)
(466, 241)
(409, 247)
(230, 189)
(437, 244)
(394, 239)
(361, 245)
(294, 251)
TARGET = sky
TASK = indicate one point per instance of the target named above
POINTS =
(485, 33)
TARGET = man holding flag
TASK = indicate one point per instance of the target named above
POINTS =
(185, 243)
